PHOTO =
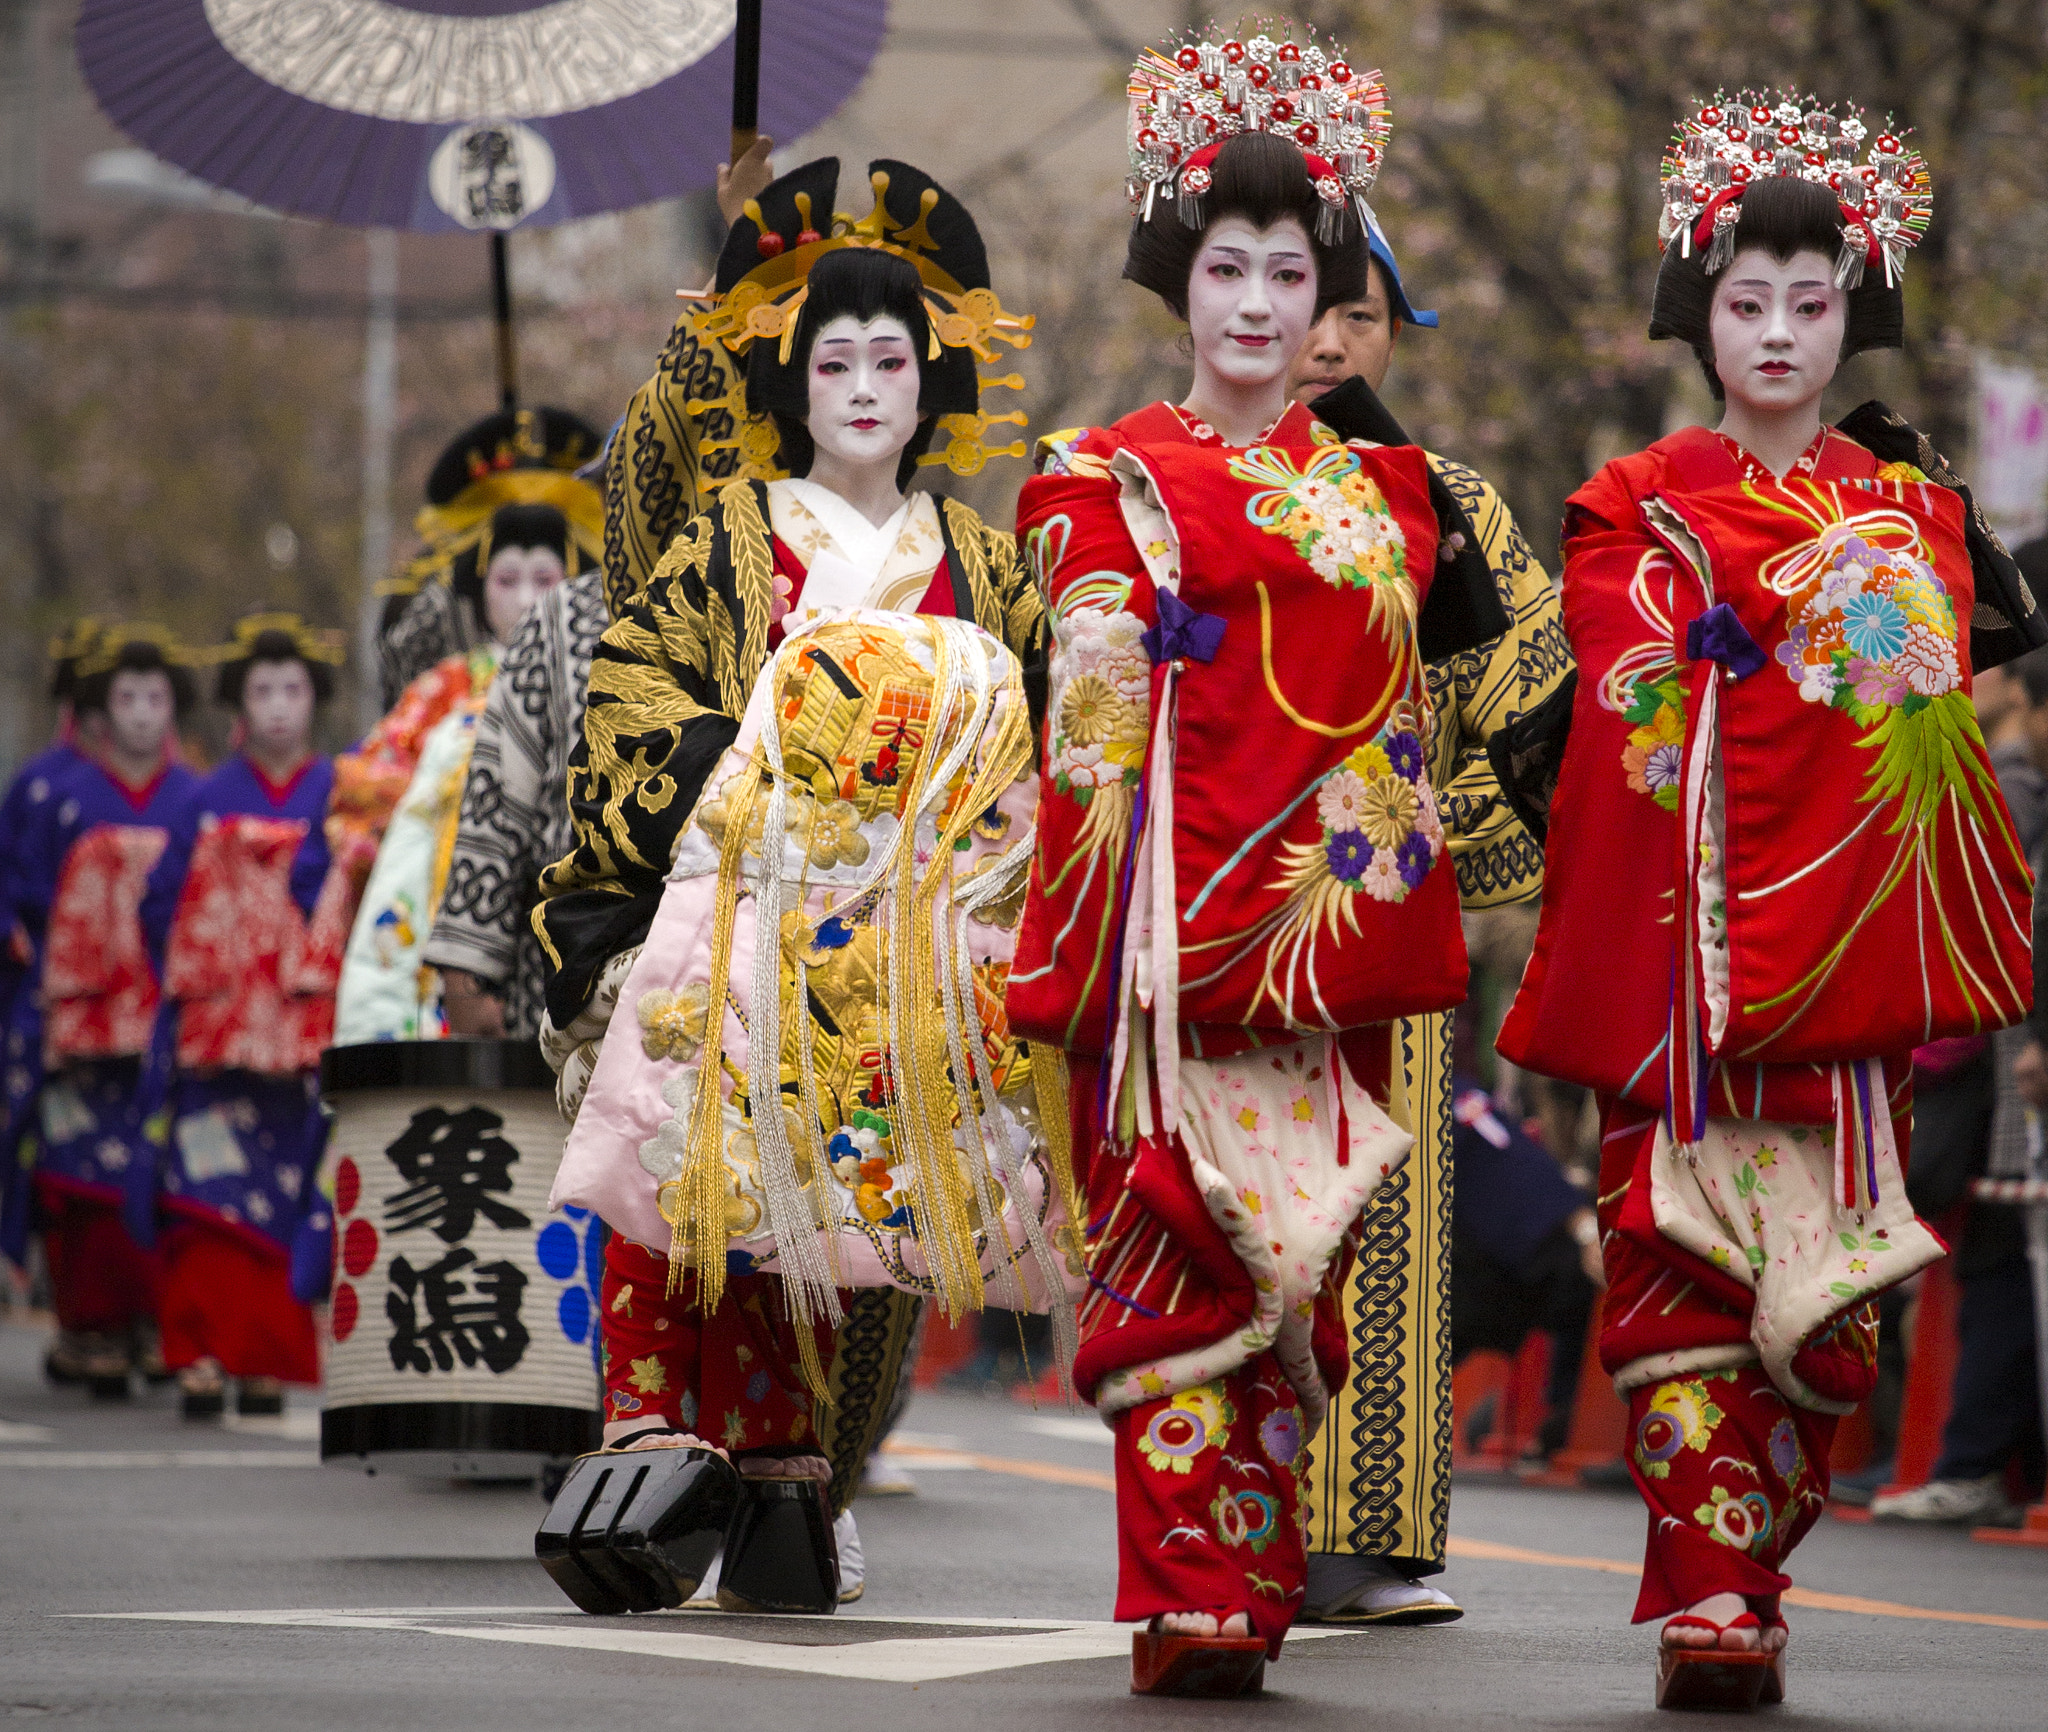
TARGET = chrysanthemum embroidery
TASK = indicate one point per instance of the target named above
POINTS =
(1381, 830)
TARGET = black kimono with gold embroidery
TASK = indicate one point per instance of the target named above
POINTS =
(667, 686)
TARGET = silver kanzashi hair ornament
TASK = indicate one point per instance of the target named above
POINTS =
(1729, 144)
(1186, 102)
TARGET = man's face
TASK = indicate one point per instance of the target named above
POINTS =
(2037, 729)
(1997, 696)
(140, 710)
(277, 706)
(1353, 340)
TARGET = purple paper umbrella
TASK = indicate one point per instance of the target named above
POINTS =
(463, 114)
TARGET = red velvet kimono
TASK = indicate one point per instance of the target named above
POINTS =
(1240, 878)
(1777, 862)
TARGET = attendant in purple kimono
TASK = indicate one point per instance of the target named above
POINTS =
(248, 1005)
(21, 810)
(77, 738)
(80, 1028)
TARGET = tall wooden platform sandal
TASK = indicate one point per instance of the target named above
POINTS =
(636, 1530)
(780, 1554)
(1211, 1666)
(202, 1391)
(1740, 1679)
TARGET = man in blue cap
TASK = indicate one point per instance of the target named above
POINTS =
(1377, 1498)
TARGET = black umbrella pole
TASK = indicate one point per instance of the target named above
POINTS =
(746, 78)
(501, 302)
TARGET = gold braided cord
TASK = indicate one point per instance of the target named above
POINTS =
(808, 1362)
(947, 1231)
(1005, 756)
(697, 1228)
(916, 1037)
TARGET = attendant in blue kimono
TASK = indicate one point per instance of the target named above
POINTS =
(77, 738)
(20, 811)
(81, 1027)
(248, 1006)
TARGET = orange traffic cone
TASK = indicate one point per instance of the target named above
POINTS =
(2033, 1531)
(1930, 1380)
(1599, 1433)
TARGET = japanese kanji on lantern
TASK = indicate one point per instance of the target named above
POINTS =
(463, 1321)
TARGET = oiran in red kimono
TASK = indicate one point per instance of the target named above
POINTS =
(1777, 862)
(1241, 874)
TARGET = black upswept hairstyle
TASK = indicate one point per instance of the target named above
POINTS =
(511, 526)
(271, 646)
(1782, 215)
(1261, 178)
(863, 283)
(141, 656)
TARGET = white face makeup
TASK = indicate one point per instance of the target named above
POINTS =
(1251, 301)
(863, 390)
(140, 711)
(1777, 330)
(516, 578)
(277, 708)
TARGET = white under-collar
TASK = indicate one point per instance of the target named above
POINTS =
(863, 545)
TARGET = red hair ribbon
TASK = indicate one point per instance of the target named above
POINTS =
(1703, 225)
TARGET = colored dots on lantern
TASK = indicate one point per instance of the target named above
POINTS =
(358, 1248)
(556, 1249)
(343, 1310)
(573, 1313)
(348, 1185)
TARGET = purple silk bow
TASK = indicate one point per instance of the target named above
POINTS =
(1719, 635)
(1182, 631)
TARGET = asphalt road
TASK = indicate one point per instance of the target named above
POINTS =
(155, 1574)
